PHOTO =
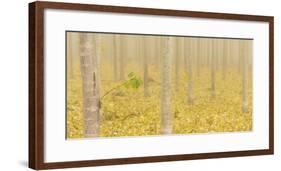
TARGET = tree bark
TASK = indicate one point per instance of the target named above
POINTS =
(158, 52)
(166, 116)
(122, 52)
(244, 51)
(90, 81)
(187, 56)
(238, 55)
(139, 52)
(115, 56)
(197, 49)
(145, 67)
(225, 57)
(97, 72)
(153, 51)
(213, 53)
(70, 49)
(177, 62)
(186, 51)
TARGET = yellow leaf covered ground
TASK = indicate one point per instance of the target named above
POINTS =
(126, 112)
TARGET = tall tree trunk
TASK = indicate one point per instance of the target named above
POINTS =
(208, 63)
(187, 56)
(197, 50)
(177, 62)
(238, 55)
(70, 49)
(225, 57)
(153, 51)
(213, 53)
(186, 51)
(219, 54)
(244, 51)
(90, 77)
(115, 56)
(139, 52)
(145, 66)
(122, 52)
(158, 52)
(97, 72)
(166, 115)
(204, 52)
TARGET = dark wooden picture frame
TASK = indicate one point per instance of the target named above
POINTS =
(36, 84)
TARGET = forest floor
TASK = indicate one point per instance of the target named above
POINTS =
(127, 112)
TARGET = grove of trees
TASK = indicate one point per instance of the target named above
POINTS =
(137, 85)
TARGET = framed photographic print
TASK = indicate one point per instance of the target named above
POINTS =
(119, 85)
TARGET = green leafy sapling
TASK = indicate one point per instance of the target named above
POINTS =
(133, 81)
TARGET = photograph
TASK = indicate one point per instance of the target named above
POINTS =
(124, 84)
(196, 85)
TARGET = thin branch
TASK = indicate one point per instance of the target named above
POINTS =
(114, 88)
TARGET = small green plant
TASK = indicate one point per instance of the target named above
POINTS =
(133, 82)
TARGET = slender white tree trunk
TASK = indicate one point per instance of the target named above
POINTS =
(213, 53)
(122, 52)
(90, 81)
(186, 50)
(115, 56)
(70, 49)
(177, 62)
(97, 73)
(244, 51)
(158, 52)
(145, 67)
(153, 51)
(187, 56)
(197, 50)
(139, 52)
(225, 57)
(166, 115)
(238, 53)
